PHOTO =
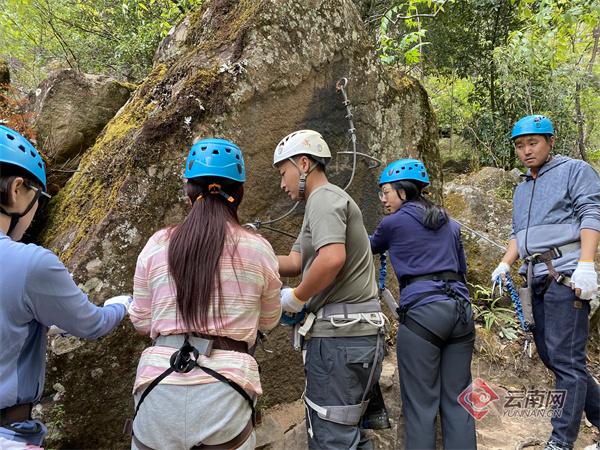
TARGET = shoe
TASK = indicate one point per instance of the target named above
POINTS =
(595, 446)
(378, 420)
(555, 445)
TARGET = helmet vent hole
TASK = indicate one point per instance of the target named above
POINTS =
(215, 152)
(22, 148)
(11, 137)
(410, 168)
(191, 164)
(239, 168)
(228, 150)
(32, 154)
(193, 153)
(40, 165)
(237, 156)
(203, 148)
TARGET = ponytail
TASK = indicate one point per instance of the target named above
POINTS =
(435, 215)
(196, 246)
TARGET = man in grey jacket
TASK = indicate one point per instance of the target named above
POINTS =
(556, 229)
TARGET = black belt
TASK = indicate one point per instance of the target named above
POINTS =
(435, 276)
(15, 414)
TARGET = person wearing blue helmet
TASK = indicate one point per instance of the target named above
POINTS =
(36, 292)
(436, 334)
(555, 231)
(202, 290)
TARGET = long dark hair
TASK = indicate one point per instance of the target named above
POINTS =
(196, 246)
(435, 215)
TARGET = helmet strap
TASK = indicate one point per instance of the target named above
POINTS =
(303, 176)
(15, 216)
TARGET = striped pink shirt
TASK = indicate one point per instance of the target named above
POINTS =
(250, 294)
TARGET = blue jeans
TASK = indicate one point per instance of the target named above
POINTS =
(560, 334)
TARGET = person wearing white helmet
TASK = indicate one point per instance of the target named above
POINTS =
(343, 345)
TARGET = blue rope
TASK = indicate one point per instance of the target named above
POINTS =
(382, 270)
(516, 300)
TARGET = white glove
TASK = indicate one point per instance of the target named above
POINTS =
(289, 301)
(54, 331)
(586, 279)
(502, 269)
(124, 300)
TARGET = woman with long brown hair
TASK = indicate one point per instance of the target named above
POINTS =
(202, 290)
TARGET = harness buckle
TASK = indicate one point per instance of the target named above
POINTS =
(533, 259)
(401, 310)
(181, 361)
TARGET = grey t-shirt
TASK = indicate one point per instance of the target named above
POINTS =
(332, 217)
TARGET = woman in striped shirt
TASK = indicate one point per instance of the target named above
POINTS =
(206, 279)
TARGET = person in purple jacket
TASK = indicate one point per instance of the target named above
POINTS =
(36, 292)
(436, 334)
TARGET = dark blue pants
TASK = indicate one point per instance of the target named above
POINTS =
(431, 379)
(561, 333)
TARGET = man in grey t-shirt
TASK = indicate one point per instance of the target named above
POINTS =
(332, 253)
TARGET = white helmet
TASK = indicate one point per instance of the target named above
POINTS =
(302, 142)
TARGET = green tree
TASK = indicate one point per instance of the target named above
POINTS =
(116, 37)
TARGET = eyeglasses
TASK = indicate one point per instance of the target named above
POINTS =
(42, 197)
(383, 195)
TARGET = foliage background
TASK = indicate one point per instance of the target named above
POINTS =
(113, 37)
(485, 63)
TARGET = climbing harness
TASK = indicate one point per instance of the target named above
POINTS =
(346, 414)
(449, 292)
(374, 163)
(184, 360)
(547, 257)
(338, 313)
(341, 315)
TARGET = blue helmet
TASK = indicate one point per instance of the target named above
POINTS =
(214, 157)
(18, 151)
(404, 169)
(536, 124)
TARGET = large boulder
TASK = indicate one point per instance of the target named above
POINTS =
(252, 72)
(481, 202)
(70, 110)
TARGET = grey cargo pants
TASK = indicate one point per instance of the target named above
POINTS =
(337, 371)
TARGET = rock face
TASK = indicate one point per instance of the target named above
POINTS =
(482, 203)
(70, 110)
(251, 72)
